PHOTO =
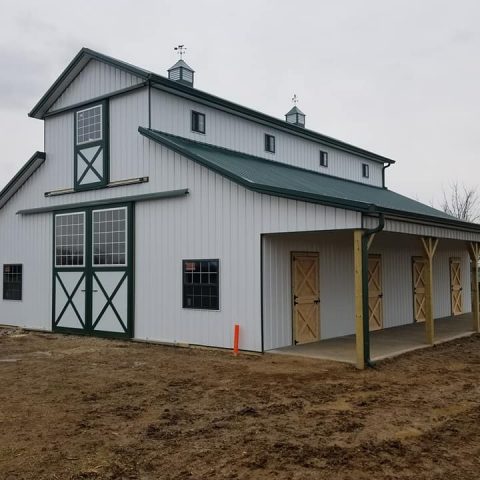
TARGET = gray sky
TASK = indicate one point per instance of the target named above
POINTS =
(398, 77)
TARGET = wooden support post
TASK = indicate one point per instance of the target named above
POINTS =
(474, 251)
(429, 246)
(358, 279)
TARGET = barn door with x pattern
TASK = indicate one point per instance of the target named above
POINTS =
(419, 288)
(456, 286)
(375, 292)
(93, 275)
(306, 297)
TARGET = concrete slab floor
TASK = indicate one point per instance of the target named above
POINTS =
(385, 343)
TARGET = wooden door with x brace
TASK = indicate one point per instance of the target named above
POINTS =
(456, 290)
(306, 297)
(375, 292)
(419, 281)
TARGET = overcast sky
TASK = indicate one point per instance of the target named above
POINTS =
(398, 77)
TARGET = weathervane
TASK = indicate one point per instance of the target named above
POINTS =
(181, 50)
(295, 99)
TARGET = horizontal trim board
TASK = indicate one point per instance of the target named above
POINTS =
(107, 201)
(117, 93)
(116, 183)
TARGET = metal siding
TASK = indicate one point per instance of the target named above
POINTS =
(172, 114)
(27, 241)
(337, 309)
(96, 79)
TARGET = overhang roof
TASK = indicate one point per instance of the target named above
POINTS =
(163, 83)
(35, 161)
(278, 179)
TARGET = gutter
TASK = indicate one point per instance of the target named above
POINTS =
(367, 233)
(383, 173)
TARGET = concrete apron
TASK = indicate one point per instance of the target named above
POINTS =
(385, 343)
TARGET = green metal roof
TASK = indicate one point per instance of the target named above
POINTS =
(274, 178)
(162, 83)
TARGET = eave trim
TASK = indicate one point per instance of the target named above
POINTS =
(28, 169)
(107, 201)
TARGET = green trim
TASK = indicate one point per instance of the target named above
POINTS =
(72, 70)
(80, 105)
(103, 145)
(28, 169)
(106, 202)
(162, 83)
(170, 142)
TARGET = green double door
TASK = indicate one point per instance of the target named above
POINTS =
(93, 271)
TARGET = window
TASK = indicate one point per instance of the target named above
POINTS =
(70, 239)
(109, 236)
(91, 158)
(269, 143)
(323, 158)
(365, 170)
(198, 122)
(200, 284)
(12, 282)
(89, 125)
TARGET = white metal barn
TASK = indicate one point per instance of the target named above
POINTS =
(160, 212)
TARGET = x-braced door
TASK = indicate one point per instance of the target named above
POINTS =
(456, 286)
(419, 280)
(375, 292)
(92, 272)
(306, 297)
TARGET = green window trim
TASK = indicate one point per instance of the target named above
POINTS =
(91, 158)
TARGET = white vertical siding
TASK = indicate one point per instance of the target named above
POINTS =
(95, 80)
(172, 114)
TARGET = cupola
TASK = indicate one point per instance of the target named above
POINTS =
(295, 116)
(181, 72)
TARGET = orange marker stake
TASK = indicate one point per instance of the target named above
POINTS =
(236, 334)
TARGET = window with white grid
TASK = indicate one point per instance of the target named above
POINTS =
(89, 125)
(109, 236)
(70, 239)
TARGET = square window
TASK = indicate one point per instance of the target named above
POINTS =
(269, 143)
(323, 158)
(201, 284)
(89, 125)
(365, 170)
(198, 122)
(12, 282)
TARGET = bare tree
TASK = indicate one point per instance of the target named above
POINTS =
(462, 202)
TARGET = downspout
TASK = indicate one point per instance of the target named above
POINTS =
(367, 233)
(383, 173)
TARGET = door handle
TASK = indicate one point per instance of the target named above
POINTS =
(85, 290)
(316, 301)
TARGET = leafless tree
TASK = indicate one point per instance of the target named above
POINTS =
(462, 202)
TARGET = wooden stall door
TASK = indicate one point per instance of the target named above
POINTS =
(456, 286)
(306, 297)
(375, 292)
(419, 288)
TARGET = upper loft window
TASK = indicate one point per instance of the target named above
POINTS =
(89, 125)
(91, 147)
(269, 143)
(365, 170)
(12, 282)
(198, 122)
(323, 158)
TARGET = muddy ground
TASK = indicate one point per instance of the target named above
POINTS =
(86, 408)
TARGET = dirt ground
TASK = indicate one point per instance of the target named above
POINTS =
(86, 408)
